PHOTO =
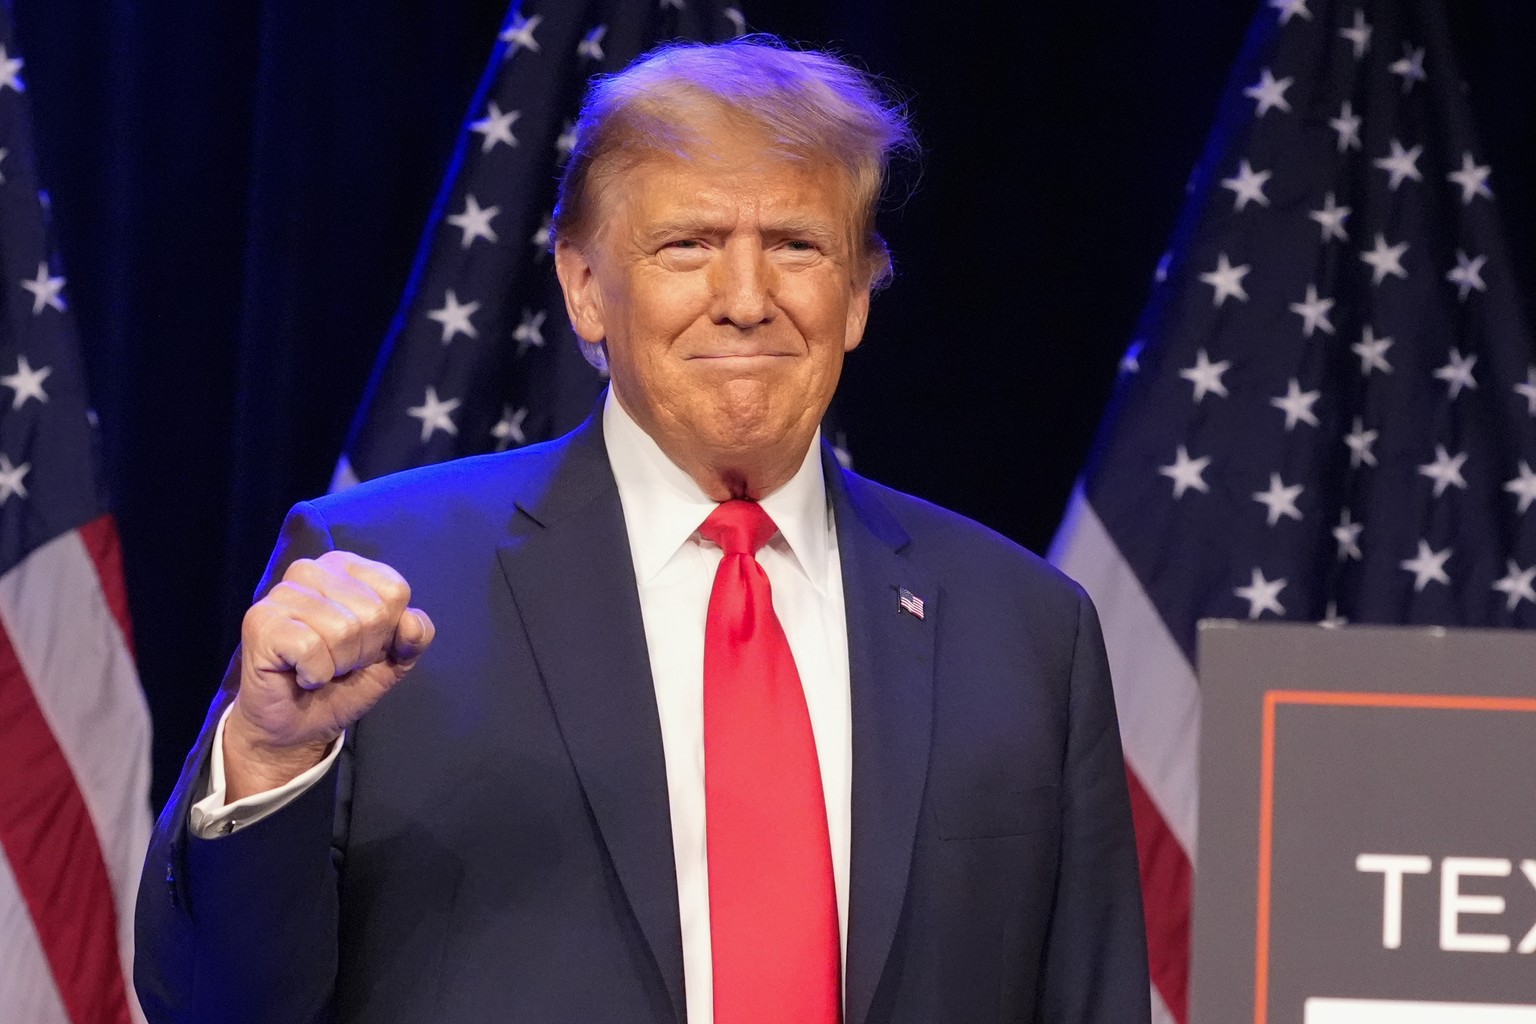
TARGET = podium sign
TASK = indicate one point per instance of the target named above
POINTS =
(1367, 835)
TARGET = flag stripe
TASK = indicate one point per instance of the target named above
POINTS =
(1166, 887)
(1156, 694)
(53, 851)
(106, 552)
(29, 993)
(67, 642)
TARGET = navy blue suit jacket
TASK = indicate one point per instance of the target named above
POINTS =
(495, 843)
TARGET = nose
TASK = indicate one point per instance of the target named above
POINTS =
(745, 283)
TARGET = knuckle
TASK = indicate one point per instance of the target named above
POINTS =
(395, 591)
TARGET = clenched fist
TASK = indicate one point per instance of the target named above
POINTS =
(316, 653)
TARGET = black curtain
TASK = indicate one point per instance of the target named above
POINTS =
(239, 189)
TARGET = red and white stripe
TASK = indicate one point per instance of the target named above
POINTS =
(1158, 702)
(74, 784)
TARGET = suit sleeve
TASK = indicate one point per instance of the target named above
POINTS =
(242, 927)
(1095, 970)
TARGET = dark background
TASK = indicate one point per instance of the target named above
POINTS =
(238, 191)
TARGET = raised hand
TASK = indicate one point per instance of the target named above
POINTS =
(319, 650)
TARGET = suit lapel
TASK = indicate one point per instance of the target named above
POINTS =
(572, 578)
(890, 662)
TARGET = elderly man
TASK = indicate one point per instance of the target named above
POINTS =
(714, 729)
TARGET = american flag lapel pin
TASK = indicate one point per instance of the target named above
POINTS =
(911, 603)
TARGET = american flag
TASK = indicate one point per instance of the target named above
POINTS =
(1327, 411)
(74, 727)
(480, 356)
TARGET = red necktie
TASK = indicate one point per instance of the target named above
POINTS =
(772, 906)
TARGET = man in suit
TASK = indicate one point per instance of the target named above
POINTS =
(714, 729)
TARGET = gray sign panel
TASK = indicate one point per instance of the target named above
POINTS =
(1367, 839)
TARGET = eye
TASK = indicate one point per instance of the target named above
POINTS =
(800, 245)
(685, 243)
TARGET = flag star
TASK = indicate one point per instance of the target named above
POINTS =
(475, 222)
(530, 331)
(1385, 259)
(3, 154)
(1331, 218)
(541, 237)
(1467, 274)
(1523, 487)
(435, 414)
(1131, 361)
(1372, 352)
(737, 19)
(565, 142)
(1262, 595)
(1445, 470)
(1290, 8)
(26, 382)
(455, 317)
(1163, 263)
(11, 476)
(1458, 373)
(1297, 405)
(1527, 390)
(1247, 186)
(495, 128)
(45, 290)
(591, 44)
(1313, 312)
(1401, 163)
(1332, 619)
(1227, 280)
(1280, 499)
(1269, 93)
(1359, 35)
(1516, 585)
(1348, 536)
(1206, 376)
(509, 429)
(1472, 179)
(1427, 566)
(1186, 473)
(10, 72)
(519, 34)
(1360, 441)
(1409, 67)
(1347, 124)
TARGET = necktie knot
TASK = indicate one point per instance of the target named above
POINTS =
(740, 527)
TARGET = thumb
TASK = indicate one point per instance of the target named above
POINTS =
(413, 635)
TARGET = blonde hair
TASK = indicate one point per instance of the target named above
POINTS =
(808, 104)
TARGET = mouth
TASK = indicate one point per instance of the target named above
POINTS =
(742, 357)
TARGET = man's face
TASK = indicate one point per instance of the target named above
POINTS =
(727, 290)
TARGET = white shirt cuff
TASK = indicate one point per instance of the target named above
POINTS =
(211, 817)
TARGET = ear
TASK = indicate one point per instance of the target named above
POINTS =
(858, 316)
(583, 300)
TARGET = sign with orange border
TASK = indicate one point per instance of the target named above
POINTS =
(1367, 844)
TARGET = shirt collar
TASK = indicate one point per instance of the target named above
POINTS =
(663, 506)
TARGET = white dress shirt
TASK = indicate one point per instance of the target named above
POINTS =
(675, 570)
